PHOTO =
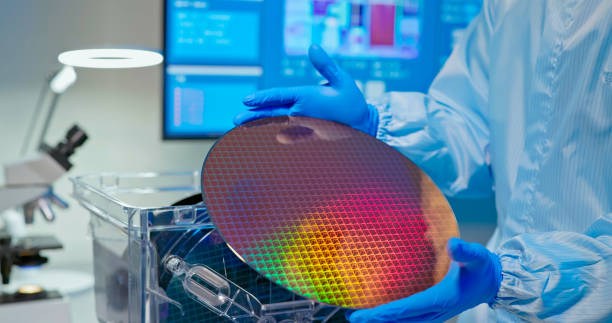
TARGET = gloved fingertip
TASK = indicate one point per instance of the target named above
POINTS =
(355, 316)
(348, 313)
(326, 66)
(318, 56)
(466, 252)
(236, 120)
(247, 99)
(243, 118)
(453, 243)
(456, 248)
(314, 48)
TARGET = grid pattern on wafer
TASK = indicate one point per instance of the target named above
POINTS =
(327, 211)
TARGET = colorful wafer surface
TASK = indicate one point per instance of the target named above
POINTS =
(327, 211)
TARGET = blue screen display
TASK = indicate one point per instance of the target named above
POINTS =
(212, 36)
(218, 51)
(203, 101)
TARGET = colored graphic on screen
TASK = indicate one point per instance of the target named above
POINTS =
(327, 211)
(386, 29)
(384, 45)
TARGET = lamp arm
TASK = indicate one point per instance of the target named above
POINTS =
(39, 104)
(58, 83)
(48, 118)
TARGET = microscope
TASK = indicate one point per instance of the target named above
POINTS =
(27, 191)
(29, 185)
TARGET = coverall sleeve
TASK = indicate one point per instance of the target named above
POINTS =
(558, 275)
(445, 131)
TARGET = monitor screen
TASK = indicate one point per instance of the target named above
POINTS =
(347, 29)
(218, 51)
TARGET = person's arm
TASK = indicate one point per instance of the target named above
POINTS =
(546, 275)
(558, 275)
(445, 131)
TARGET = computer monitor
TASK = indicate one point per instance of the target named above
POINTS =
(218, 51)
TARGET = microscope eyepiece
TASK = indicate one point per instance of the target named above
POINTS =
(74, 138)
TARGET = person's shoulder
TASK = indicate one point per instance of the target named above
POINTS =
(496, 10)
(501, 4)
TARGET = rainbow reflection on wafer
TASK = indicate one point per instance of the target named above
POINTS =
(327, 211)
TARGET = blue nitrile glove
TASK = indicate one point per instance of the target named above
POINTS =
(474, 278)
(339, 100)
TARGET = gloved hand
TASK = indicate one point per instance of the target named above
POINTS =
(340, 100)
(474, 278)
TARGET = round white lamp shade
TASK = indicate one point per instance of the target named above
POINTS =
(110, 58)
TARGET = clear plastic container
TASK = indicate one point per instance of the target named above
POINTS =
(158, 257)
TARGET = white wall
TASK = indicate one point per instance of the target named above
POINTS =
(120, 110)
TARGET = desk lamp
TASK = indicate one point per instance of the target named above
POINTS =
(28, 183)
